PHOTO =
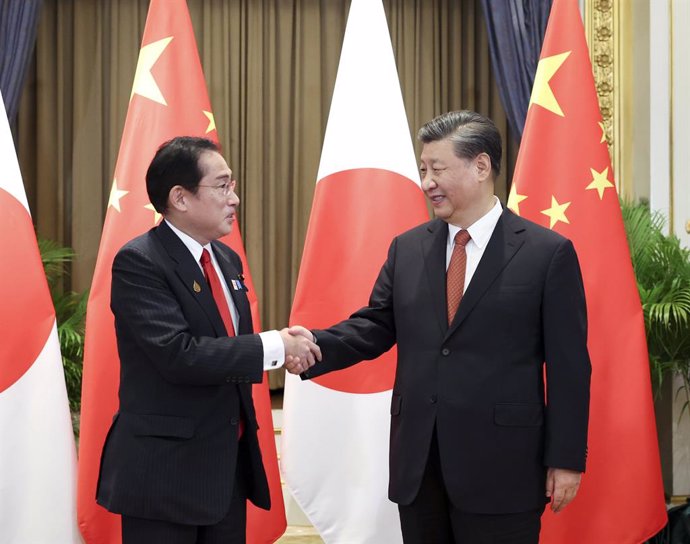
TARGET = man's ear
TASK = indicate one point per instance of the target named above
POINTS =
(177, 198)
(482, 163)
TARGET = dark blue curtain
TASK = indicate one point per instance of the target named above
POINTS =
(18, 20)
(516, 32)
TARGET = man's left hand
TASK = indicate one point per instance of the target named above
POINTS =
(561, 487)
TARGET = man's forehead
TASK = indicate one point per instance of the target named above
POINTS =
(430, 154)
(210, 160)
(437, 148)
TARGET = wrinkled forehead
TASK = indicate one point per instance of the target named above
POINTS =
(438, 150)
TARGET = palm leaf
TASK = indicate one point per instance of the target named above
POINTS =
(662, 272)
(70, 314)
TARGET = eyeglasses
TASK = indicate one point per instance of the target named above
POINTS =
(225, 188)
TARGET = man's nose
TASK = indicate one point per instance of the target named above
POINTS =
(427, 181)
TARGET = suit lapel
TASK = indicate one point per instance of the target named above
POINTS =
(239, 297)
(505, 241)
(191, 275)
(434, 255)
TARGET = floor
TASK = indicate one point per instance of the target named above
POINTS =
(300, 535)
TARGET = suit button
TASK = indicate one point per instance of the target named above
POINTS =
(234, 421)
(445, 352)
(433, 399)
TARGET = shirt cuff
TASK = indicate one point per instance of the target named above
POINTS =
(274, 349)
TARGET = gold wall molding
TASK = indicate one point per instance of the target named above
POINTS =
(608, 26)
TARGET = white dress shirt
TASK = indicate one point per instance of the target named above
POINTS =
(480, 233)
(274, 350)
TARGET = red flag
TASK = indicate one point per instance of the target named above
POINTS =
(563, 180)
(367, 192)
(168, 99)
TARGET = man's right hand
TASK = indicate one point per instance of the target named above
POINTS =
(301, 353)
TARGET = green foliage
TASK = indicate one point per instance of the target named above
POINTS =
(662, 270)
(70, 311)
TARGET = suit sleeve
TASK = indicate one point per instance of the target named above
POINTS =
(150, 320)
(568, 367)
(366, 334)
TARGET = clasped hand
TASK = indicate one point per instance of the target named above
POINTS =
(301, 353)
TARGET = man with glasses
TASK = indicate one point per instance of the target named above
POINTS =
(182, 457)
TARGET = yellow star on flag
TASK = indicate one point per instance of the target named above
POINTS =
(211, 121)
(600, 181)
(541, 91)
(115, 196)
(144, 83)
(603, 132)
(514, 199)
(156, 215)
(556, 212)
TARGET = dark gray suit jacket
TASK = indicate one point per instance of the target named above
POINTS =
(172, 449)
(479, 381)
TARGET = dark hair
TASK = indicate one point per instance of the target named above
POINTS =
(470, 133)
(176, 163)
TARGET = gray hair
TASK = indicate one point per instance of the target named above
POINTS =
(470, 133)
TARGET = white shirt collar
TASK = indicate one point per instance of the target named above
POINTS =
(194, 247)
(482, 229)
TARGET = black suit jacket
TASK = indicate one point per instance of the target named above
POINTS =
(479, 381)
(172, 449)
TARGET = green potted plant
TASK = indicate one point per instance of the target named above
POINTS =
(70, 312)
(662, 270)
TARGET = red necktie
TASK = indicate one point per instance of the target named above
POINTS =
(217, 291)
(455, 276)
(222, 303)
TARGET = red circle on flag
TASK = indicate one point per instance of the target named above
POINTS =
(26, 310)
(356, 215)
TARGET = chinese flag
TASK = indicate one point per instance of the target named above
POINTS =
(563, 180)
(367, 191)
(168, 99)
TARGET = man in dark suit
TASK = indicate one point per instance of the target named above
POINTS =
(182, 455)
(478, 446)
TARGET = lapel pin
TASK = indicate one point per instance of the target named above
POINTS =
(196, 287)
(240, 283)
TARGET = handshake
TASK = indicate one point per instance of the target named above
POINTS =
(301, 352)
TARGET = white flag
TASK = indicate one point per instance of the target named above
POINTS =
(336, 427)
(37, 453)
